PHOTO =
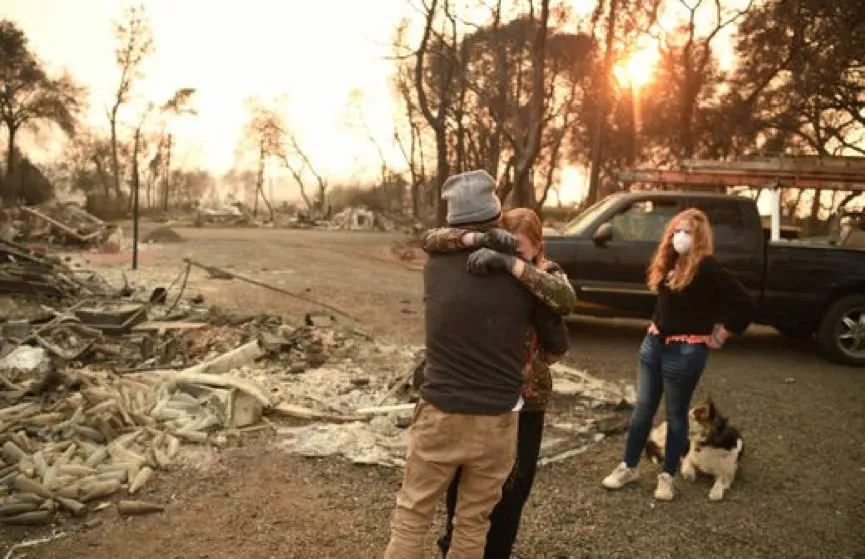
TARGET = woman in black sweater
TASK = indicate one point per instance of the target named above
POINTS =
(699, 306)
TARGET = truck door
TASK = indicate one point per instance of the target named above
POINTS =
(738, 238)
(614, 274)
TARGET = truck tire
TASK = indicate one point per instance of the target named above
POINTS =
(795, 332)
(841, 336)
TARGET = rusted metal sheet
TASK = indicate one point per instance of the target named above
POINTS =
(711, 178)
(799, 164)
(826, 173)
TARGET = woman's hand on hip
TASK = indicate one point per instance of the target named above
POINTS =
(719, 337)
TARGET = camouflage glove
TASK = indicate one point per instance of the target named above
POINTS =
(499, 240)
(486, 261)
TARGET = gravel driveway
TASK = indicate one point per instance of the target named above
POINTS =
(801, 492)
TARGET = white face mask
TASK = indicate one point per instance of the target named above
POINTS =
(682, 241)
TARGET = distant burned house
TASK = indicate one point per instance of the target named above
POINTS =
(361, 219)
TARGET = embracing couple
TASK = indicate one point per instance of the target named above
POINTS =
(494, 308)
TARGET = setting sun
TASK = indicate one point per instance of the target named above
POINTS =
(638, 68)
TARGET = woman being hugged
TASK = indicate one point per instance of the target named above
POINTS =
(523, 233)
(699, 305)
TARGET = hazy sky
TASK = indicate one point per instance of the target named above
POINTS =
(313, 52)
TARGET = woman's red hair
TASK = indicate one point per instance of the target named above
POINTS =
(527, 222)
(684, 266)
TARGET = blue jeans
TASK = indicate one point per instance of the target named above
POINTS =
(674, 370)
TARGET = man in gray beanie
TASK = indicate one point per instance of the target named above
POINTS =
(476, 327)
(471, 198)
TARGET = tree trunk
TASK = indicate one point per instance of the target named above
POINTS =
(555, 152)
(601, 112)
(847, 199)
(687, 95)
(103, 180)
(461, 138)
(460, 113)
(10, 195)
(503, 190)
(260, 182)
(10, 153)
(136, 183)
(415, 206)
(442, 163)
(501, 101)
(686, 119)
(301, 186)
(415, 182)
(794, 205)
(266, 202)
(322, 192)
(167, 182)
(523, 187)
(259, 179)
(815, 205)
(115, 161)
(437, 122)
(524, 191)
(442, 171)
(632, 124)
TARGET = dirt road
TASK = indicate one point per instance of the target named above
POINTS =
(355, 272)
(800, 493)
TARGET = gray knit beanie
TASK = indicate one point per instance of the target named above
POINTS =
(471, 198)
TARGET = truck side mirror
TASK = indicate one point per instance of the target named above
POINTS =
(603, 234)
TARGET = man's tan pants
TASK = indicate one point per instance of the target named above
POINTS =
(439, 442)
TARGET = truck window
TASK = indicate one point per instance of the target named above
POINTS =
(644, 220)
(586, 219)
(728, 222)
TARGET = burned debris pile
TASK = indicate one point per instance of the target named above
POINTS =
(24, 271)
(54, 223)
(100, 388)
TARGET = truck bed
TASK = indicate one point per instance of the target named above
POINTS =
(801, 277)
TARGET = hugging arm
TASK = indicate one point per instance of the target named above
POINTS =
(453, 239)
(447, 239)
(551, 332)
(550, 284)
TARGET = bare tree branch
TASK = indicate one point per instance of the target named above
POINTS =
(322, 183)
(135, 39)
(298, 177)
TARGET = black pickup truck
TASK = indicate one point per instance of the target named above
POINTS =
(801, 289)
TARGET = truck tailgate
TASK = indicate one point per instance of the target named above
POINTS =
(800, 277)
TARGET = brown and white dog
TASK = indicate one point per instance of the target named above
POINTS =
(714, 447)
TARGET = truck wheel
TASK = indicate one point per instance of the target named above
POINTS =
(841, 336)
(795, 332)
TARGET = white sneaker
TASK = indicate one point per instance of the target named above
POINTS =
(620, 477)
(664, 491)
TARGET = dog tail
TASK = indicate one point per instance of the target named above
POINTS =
(740, 448)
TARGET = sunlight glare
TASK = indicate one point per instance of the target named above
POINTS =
(637, 69)
(572, 184)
